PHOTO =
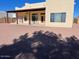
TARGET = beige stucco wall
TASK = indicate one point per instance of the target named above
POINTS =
(59, 6)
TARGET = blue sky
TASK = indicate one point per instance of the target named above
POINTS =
(11, 4)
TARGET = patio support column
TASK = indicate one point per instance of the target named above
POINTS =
(7, 18)
(17, 17)
(29, 18)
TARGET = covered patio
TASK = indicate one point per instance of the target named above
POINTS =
(35, 16)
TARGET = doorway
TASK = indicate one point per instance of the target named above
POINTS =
(34, 18)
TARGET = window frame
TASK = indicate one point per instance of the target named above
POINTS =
(63, 19)
(34, 16)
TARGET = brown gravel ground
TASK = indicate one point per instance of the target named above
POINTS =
(8, 32)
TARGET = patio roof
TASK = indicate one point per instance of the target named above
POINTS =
(24, 10)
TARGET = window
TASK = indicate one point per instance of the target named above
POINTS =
(58, 17)
(25, 18)
(34, 17)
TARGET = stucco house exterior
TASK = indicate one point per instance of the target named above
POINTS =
(52, 13)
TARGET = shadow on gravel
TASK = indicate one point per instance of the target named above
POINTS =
(42, 45)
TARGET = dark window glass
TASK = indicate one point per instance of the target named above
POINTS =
(58, 17)
(25, 18)
(63, 17)
(34, 17)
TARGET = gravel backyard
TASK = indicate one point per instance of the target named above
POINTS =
(8, 32)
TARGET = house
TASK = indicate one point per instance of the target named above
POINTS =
(52, 13)
(78, 20)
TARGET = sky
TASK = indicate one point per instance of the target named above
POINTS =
(6, 5)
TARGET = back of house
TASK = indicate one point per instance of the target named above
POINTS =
(51, 13)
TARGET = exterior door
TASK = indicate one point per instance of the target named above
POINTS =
(42, 19)
(34, 18)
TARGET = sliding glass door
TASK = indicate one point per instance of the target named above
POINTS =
(34, 18)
